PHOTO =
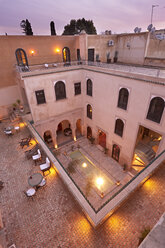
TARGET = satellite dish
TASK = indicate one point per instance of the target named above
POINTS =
(136, 30)
(139, 30)
(149, 27)
(153, 30)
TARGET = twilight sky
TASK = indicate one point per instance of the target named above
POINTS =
(116, 15)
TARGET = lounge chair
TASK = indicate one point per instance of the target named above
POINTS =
(42, 183)
(32, 151)
(37, 156)
(46, 166)
(30, 192)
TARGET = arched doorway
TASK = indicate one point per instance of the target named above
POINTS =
(78, 128)
(89, 132)
(48, 137)
(64, 132)
(66, 55)
(102, 138)
(116, 152)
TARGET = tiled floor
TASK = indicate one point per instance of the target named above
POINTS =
(106, 167)
(55, 220)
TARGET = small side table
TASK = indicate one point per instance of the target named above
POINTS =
(35, 179)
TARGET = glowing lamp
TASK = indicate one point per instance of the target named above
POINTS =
(56, 146)
(118, 183)
(75, 138)
(57, 50)
(32, 52)
(84, 165)
(22, 124)
(99, 181)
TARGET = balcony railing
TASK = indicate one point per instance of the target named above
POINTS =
(153, 72)
(107, 208)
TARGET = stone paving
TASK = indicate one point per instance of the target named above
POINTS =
(55, 220)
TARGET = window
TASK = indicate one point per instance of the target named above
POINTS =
(123, 98)
(89, 132)
(156, 109)
(66, 54)
(77, 88)
(21, 57)
(89, 111)
(60, 90)
(89, 87)
(78, 55)
(115, 152)
(119, 127)
(40, 96)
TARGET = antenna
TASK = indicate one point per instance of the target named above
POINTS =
(136, 30)
(153, 30)
(139, 30)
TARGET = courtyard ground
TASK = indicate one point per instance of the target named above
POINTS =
(55, 220)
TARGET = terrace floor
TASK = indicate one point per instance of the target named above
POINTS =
(55, 220)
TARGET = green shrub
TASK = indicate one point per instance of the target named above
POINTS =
(144, 233)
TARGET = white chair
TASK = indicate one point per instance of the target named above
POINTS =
(37, 156)
(17, 128)
(54, 65)
(42, 183)
(30, 192)
(46, 65)
(46, 166)
(8, 132)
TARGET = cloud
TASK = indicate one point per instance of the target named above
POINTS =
(118, 16)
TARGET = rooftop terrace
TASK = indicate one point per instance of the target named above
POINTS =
(117, 69)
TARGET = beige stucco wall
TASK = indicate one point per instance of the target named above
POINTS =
(52, 107)
(8, 96)
(104, 104)
(100, 44)
(44, 52)
(105, 110)
(131, 48)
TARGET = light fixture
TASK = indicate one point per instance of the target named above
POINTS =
(57, 50)
(99, 181)
(118, 183)
(102, 194)
(32, 52)
(75, 138)
(84, 165)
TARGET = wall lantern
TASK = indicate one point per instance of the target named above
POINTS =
(57, 50)
(32, 52)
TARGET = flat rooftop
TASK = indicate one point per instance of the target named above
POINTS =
(113, 68)
(54, 218)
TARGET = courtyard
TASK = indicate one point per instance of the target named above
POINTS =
(54, 219)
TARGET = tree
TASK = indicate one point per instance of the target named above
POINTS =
(52, 28)
(26, 26)
(75, 27)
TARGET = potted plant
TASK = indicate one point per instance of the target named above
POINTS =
(14, 106)
(144, 233)
(92, 140)
(108, 58)
(106, 150)
(97, 58)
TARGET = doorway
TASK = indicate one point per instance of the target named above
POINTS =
(102, 138)
(91, 53)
